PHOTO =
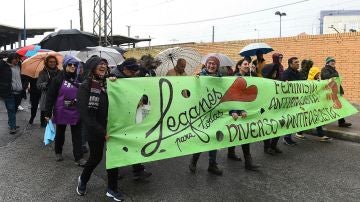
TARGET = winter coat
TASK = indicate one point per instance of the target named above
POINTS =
(291, 75)
(313, 72)
(5, 79)
(329, 72)
(43, 82)
(53, 91)
(95, 122)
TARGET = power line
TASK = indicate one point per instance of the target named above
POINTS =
(229, 16)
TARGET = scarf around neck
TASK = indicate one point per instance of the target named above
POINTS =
(96, 86)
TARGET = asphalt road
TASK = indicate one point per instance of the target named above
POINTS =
(311, 171)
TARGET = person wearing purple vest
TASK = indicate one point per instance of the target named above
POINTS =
(61, 106)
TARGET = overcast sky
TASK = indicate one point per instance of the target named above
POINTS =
(151, 17)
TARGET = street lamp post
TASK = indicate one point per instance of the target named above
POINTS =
(280, 15)
(24, 25)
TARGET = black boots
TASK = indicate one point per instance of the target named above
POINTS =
(42, 119)
(232, 155)
(213, 168)
(192, 166)
(249, 164)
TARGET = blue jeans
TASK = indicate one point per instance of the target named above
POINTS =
(11, 111)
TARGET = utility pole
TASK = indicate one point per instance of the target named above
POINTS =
(102, 21)
(213, 34)
(128, 27)
(81, 16)
(280, 14)
(24, 25)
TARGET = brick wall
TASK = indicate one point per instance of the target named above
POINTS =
(344, 47)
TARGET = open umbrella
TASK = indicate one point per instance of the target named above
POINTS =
(30, 50)
(170, 56)
(251, 49)
(69, 39)
(33, 65)
(225, 61)
(111, 55)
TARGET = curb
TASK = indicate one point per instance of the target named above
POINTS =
(342, 135)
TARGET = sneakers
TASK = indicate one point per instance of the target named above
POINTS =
(300, 136)
(20, 108)
(142, 175)
(325, 139)
(59, 157)
(117, 196)
(345, 125)
(81, 162)
(214, 169)
(81, 188)
(289, 141)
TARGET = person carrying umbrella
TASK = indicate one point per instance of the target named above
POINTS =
(61, 106)
(147, 66)
(211, 69)
(327, 72)
(242, 69)
(260, 63)
(272, 71)
(46, 75)
(93, 107)
(179, 69)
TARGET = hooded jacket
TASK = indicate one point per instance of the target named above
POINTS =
(95, 122)
(53, 90)
(313, 72)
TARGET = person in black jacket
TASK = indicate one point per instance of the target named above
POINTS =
(271, 71)
(46, 75)
(61, 106)
(92, 102)
(11, 88)
(291, 74)
(329, 71)
(35, 95)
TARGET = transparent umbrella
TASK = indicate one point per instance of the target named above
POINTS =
(170, 56)
(111, 55)
(225, 61)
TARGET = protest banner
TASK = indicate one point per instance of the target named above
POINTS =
(186, 115)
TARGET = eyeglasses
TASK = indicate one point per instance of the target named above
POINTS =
(71, 64)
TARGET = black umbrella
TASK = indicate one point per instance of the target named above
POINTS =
(69, 39)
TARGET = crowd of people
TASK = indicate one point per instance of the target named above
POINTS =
(77, 96)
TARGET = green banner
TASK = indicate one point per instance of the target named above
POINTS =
(185, 115)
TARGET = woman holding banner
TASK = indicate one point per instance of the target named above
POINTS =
(211, 69)
(93, 107)
(242, 69)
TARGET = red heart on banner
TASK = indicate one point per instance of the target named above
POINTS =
(239, 91)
